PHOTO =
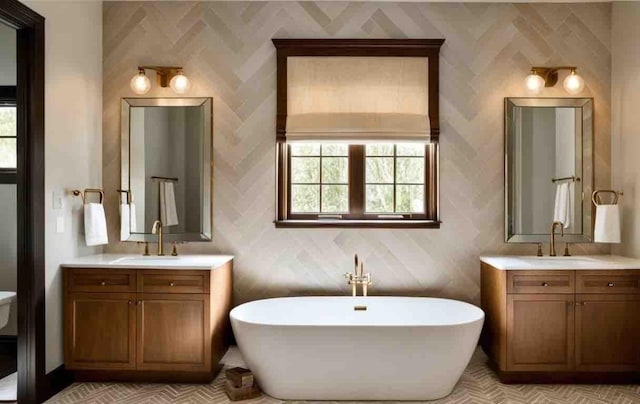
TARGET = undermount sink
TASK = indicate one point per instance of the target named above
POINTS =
(565, 260)
(145, 260)
(148, 258)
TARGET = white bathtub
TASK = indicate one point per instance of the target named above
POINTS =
(320, 348)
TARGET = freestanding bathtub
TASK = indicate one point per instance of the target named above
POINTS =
(331, 348)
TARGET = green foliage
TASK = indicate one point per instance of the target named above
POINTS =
(386, 164)
(8, 127)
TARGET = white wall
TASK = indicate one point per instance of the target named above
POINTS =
(626, 121)
(8, 251)
(7, 56)
(73, 139)
(8, 206)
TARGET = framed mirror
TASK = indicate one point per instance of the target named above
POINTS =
(548, 168)
(166, 168)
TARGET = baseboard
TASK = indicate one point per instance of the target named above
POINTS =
(147, 376)
(55, 381)
(8, 345)
(520, 377)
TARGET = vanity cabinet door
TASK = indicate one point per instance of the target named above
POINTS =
(100, 331)
(540, 332)
(174, 332)
(607, 332)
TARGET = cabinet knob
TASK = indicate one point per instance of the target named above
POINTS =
(139, 302)
(545, 284)
(171, 284)
(611, 284)
(130, 302)
(103, 283)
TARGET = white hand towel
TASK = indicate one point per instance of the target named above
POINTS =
(125, 222)
(95, 224)
(168, 211)
(562, 207)
(607, 227)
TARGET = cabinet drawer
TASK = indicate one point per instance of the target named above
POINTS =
(540, 282)
(608, 281)
(173, 281)
(100, 280)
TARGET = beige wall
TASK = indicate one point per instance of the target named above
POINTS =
(625, 101)
(226, 50)
(73, 132)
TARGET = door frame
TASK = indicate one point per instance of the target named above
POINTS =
(33, 384)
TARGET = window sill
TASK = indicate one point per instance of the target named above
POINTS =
(363, 224)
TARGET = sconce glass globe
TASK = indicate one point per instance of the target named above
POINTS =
(534, 83)
(140, 83)
(573, 83)
(180, 83)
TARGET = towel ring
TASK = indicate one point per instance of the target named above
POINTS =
(595, 198)
(128, 193)
(77, 192)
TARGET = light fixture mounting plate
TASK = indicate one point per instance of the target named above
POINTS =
(164, 74)
(550, 74)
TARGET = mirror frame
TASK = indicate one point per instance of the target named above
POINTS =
(206, 229)
(588, 162)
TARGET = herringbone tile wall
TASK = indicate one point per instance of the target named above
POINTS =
(226, 50)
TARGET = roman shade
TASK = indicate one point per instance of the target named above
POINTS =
(357, 99)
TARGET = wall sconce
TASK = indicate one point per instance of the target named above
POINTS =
(165, 77)
(541, 77)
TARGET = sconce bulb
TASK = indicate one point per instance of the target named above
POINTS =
(573, 83)
(140, 83)
(180, 83)
(534, 83)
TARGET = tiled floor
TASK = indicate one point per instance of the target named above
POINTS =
(478, 385)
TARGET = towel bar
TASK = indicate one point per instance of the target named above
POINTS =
(573, 178)
(82, 194)
(164, 179)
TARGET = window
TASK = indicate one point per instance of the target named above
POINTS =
(395, 178)
(357, 129)
(8, 134)
(384, 184)
(319, 178)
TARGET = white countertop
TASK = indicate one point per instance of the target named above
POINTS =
(130, 261)
(578, 262)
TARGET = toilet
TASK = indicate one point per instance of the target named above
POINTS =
(5, 307)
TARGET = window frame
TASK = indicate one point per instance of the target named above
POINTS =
(357, 217)
(8, 97)
(429, 48)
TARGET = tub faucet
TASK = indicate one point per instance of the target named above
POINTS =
(358, 278)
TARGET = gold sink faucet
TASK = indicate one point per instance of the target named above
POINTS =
(552, 242)
(157, 229)
(358, 278)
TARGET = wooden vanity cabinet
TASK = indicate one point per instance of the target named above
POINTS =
(171, 325)
(561, 326)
